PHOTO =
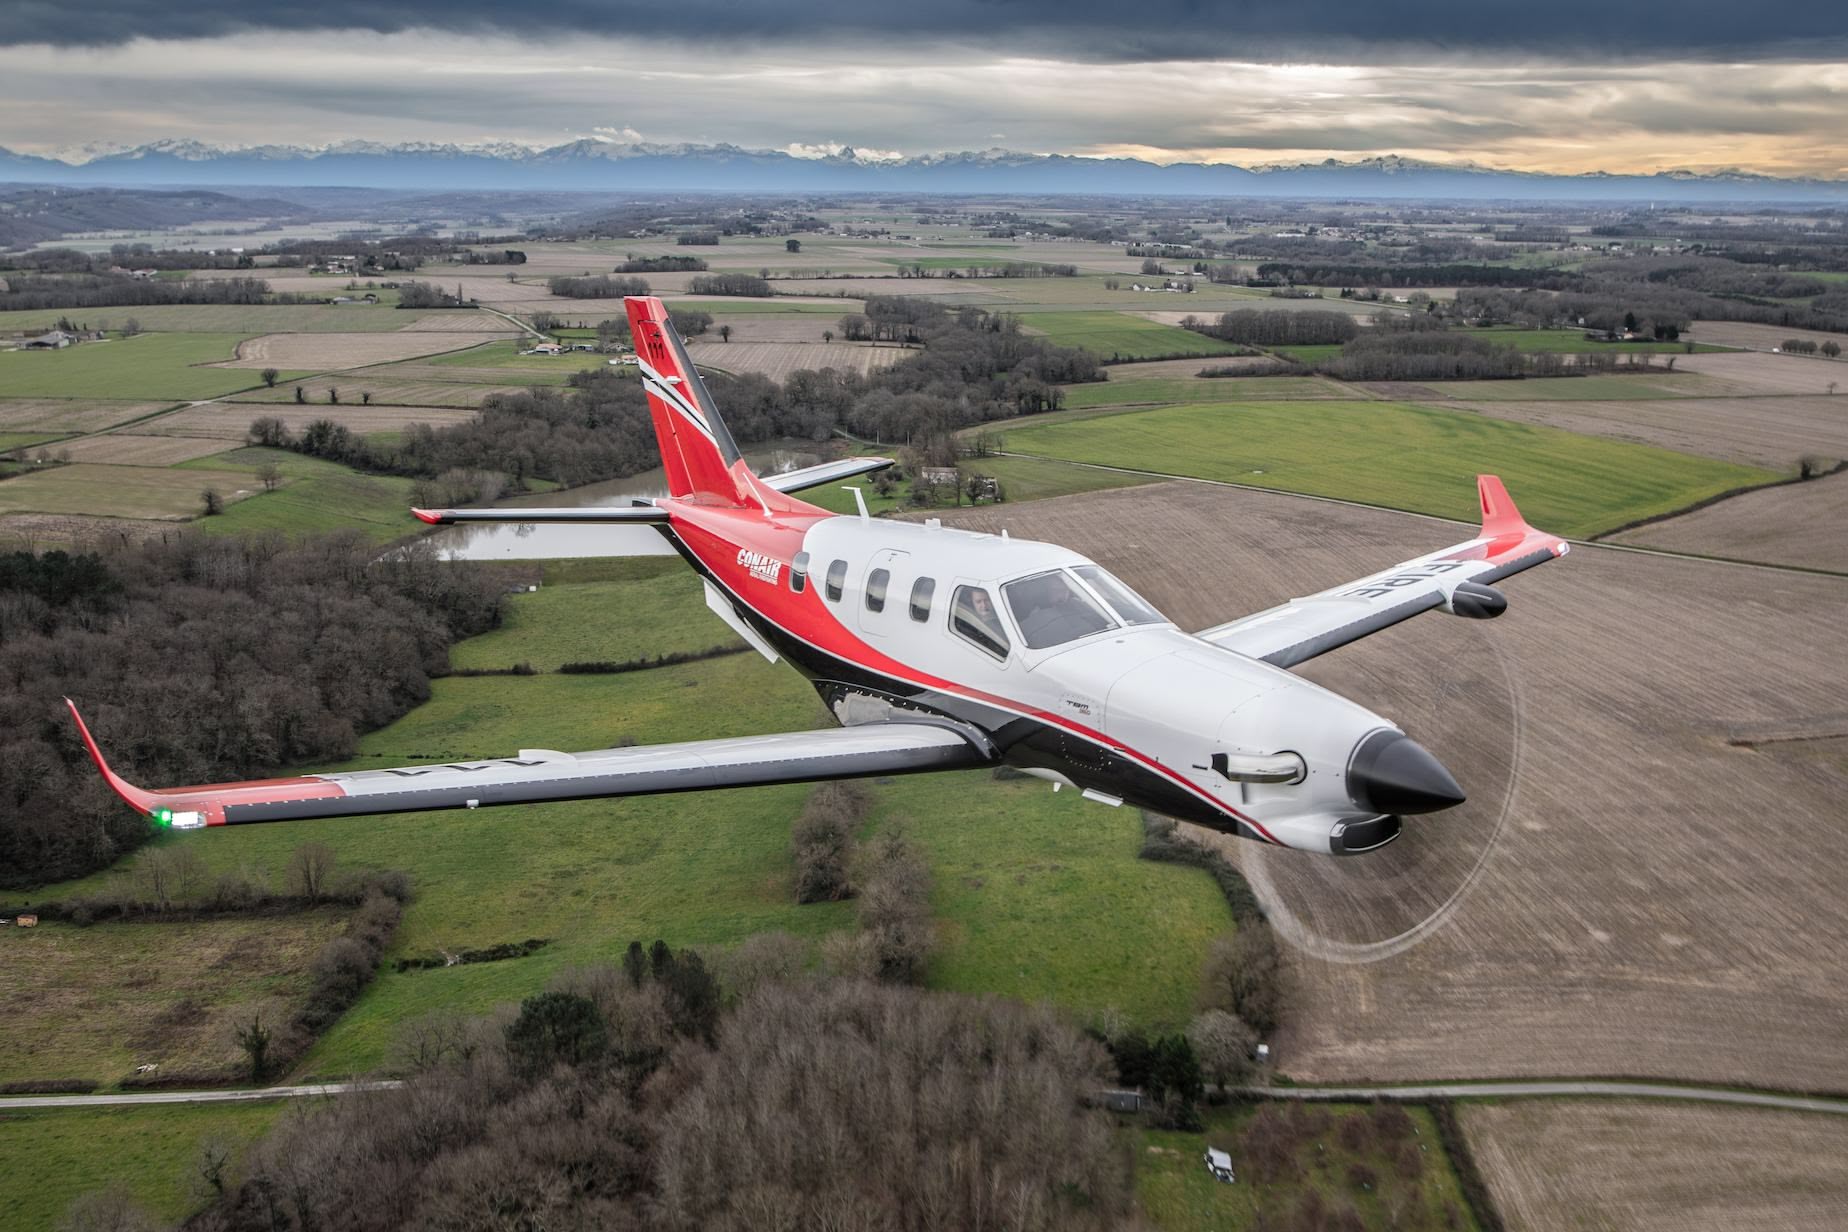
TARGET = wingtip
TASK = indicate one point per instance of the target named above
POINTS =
(432, 516)
(131, 795)
(1499, 514)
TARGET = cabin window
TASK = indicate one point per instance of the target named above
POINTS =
(974, 618)
(921, 591)
(798, 573)
(1051, 610)
(1130, 607)
(876, 589)
(837, 579)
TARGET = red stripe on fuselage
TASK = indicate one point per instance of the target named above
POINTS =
(716, 536)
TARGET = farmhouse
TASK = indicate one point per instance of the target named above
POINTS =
(55, 340)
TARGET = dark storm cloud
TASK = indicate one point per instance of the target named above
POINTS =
(1349, 31)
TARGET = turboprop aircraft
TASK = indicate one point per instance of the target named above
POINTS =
(943, 649)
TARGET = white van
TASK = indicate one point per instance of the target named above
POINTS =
(1220, 1165)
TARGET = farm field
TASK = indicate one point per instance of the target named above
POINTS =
(230, 421)
(151, 1151)
(95, 1002)
(125, 448)
(120, 491)
(318, 352)
(1574, 342)
(1189, 368)
(1178, 1195)
(1572, 485)
(1117, 335)
(1762, 337)
(226, 318)
(316, 495)
(1681, 383)
(1801, 525)
(1028, 479)
(453, 321)
(1610, 928)
(386, 389)
(501, 355)
(1772, 432)
(777, 360)
(143, 368)
(1760, 372)
(1658, 1166)
(65, 416)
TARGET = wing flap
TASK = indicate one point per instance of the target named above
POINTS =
(896, 747)
(1301, 629)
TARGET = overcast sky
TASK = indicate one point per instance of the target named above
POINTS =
(1598, 86)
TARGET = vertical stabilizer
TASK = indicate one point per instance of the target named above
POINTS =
(697, 449)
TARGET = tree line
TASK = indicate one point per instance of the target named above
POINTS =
(203, 659)
(658, 1094)
(1277, 327)
(601, 286)
(33, 291)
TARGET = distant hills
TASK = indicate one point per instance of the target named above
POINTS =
(611, 167)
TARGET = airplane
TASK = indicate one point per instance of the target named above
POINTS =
(936, 648)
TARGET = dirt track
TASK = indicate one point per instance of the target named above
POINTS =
(1674, 1167)
(1803, 524)
(1659, 903)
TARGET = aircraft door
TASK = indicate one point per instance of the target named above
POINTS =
(882, 592)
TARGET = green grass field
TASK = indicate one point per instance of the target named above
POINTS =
(587, 610)
(507, 355)
(16, 440)
(148, 366)
(1117, 335)
(1178, 1195)
(1400, 456)
(316, 495)
(121, 491)
(1533, 341)
(51, 1157)
(1164, 391)
(1024, 479)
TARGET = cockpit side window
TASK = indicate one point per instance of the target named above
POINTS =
(973, 617)
(1130, 607)
(1051, 609)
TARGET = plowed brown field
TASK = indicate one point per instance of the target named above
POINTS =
(1803, 524)
(230, 421)
(1764, 431)
(1658, 903)
(319, 352)
(777, 360)
(1660, 1166)
(129, 449)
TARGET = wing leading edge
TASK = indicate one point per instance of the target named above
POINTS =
(1455, 578)
(894, 747)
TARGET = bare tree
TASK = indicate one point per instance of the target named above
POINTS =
(270, 476)
(108, 1210)
(1244, 976)
(254, 1038)
(211, 502)
(269, 377)
(725, 333)
(311, 868)
(1224, 1046)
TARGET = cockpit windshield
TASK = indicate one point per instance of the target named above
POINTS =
(1130, 607)
(1051, 609)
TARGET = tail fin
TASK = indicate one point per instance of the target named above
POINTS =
(697, 449)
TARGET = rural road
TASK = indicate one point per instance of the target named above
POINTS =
(1452, 1090)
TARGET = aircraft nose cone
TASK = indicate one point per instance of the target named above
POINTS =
(1392, 773)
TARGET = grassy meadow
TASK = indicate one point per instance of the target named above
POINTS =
(52, 1156)
(147, 366)
(1396, 455)
(316, 495)
(1118, 335)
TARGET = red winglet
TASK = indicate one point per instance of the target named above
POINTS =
(431, 516)
(1499, 516)
(141, 801)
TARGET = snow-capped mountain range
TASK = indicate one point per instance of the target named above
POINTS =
(622, 166)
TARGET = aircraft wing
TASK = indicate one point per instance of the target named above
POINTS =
(632, 514)
(1456, 579)
(893, 747)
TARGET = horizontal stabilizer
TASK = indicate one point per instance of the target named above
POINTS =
(827, 472)
(632, 514)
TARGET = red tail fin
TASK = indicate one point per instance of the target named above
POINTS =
(696, 448)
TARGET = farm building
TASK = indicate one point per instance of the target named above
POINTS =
(54, 340)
